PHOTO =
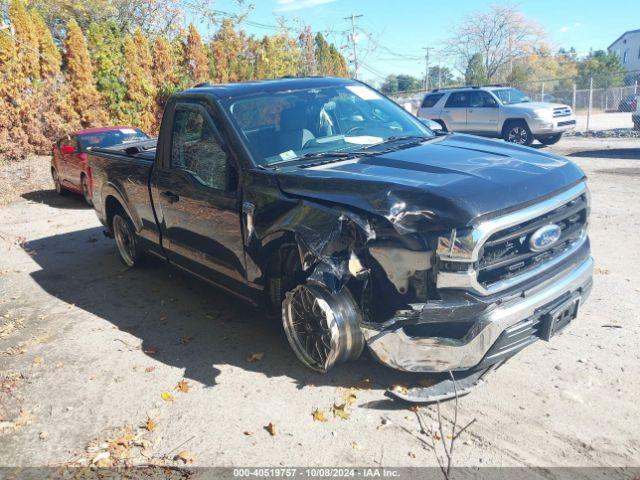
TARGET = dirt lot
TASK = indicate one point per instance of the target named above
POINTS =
(88, 350)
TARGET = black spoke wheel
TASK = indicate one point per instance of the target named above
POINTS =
(322, 327)
(126, 240)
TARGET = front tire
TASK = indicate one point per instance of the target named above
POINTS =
(550, 140)
(518, 132)
(126, 241)
(323, 328)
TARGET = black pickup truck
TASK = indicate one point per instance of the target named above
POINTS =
(332, 208)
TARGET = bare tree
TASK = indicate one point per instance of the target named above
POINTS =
(500, 36)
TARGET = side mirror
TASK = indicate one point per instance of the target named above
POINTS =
(67, 149)
(435, 127)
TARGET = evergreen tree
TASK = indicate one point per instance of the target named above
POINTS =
(338, 63)
(105, 42)
(164, 77)
(84, 98)
(323, 56)
(49, 55)
(26, 39)
(196, 57)
(476, 73)
(140, 95)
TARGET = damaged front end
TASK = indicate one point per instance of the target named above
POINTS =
(421, 294)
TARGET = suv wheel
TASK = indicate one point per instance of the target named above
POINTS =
(550, 140)
(322, 327)
(126, 240)
(518, 132)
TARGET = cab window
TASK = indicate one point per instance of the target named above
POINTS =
(195, 148)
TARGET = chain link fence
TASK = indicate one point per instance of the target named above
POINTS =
(597, 98)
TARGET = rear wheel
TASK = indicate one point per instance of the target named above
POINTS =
(322, 327)
(126, 240)
(550, 140)
(56, 182)
(518, 132)
(85, 190)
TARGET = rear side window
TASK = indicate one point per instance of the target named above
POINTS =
(110, 138)
(458, 99)
(431, 99)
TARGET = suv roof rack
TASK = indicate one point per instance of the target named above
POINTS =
(467, 87)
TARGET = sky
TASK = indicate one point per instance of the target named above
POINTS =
(402, 28)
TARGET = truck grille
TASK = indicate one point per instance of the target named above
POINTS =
(507, 253)
(561, 112)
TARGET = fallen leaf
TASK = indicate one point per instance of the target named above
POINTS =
(349, 396)
(38, 360)
(247, 433)
(186, 339)
(255, 357)
(436, 435)
(24, 418)
(185, 456)
(364, 384)
(123, 441)
(149, 369)
(151, 349)
(601, 271)
(355, 446)
(167, 396)
(43, 435)
(340, 411)
(102, 460)
(412, 455)
(183, 386)
(150, 425)
(319, 415)
(401, 389)
(271, 428)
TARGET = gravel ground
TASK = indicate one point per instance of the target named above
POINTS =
(91, 351)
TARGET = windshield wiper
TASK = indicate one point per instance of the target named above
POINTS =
(309, 155)
(398, 138)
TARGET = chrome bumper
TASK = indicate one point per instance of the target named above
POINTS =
(393, 347)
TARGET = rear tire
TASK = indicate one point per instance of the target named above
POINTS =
(550, 140)
(517, 132)
(60, 190)
(127, 241)
(85, 190)
(323, 328)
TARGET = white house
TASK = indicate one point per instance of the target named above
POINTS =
(627, 47)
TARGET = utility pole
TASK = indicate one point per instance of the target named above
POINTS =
(426, 67)
(353, 17)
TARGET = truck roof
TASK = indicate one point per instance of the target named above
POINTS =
(230, 90)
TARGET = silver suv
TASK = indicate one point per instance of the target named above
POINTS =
(498, 112)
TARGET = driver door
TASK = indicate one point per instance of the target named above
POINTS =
(197, 190)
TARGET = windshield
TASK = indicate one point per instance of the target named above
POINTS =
(286, 126)
(109, 138)
(511, 95)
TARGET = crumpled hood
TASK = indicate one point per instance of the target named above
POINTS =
(446, 182)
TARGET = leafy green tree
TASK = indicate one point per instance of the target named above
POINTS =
(604, 67)
(476, 73)
(106, 48)
(390, 84)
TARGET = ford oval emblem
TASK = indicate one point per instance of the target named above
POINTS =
(545, 237)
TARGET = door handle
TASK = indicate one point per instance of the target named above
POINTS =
(170, 196)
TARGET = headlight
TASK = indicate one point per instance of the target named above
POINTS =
(542, 114)
(457, 246)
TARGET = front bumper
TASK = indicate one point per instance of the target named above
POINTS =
(391, 345)
(550, 126)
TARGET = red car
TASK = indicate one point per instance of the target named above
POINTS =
(69, 158)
